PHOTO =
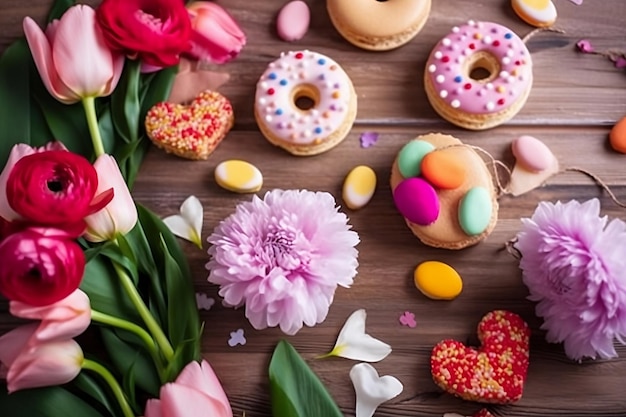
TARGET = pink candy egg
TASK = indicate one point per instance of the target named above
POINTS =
(532, 153)
(293, 21)
(417, 200)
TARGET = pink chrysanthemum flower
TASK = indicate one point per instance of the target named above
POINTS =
(573, 263)
(283, 257)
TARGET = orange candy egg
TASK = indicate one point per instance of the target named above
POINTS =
(443, 170)
(617, 136)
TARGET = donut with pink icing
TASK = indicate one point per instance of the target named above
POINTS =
(479, 75)
(305, 103)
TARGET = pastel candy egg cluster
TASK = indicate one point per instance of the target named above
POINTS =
(427, 172)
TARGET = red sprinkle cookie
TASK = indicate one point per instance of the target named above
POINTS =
(493, 373)
(192, 131)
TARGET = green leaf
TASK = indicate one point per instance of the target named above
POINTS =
(44, 402)
(156, 88)
(295, 389)
(125, 102)
(14, 97)
(88, 384)
(129, 357)
(167, 253)
(58, 8)
(106, 295)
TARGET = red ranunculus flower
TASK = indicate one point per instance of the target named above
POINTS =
(40, 266)
(155, 31)
(55, 188)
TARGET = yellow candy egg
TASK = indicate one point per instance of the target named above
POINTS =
(540, 13)
(438, 280)
(359, 187)
(238, 176)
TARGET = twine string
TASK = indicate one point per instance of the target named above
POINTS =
(533, 32)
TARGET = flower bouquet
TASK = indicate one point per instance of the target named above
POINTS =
(78, 254)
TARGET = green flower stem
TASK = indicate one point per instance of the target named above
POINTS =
(113, 384)
(153, 327)
(145, 337)
(89, 104)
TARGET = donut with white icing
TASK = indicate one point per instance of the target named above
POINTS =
(479, 75)
(305, 103)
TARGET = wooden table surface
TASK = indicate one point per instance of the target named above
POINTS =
(574, 102)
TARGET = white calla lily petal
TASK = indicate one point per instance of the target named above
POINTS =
(187, 224)
(191, 209)
(371, 389)
(354, 343)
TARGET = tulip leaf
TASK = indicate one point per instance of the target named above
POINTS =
(14, 100)
(105, 293)
(131, 358)
(295, 389)
(45, 402)
(125, 102)
(88, 384)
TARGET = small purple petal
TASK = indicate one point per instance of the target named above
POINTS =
(584, 46)
(368, 139)
(577, 2)
(620, 62)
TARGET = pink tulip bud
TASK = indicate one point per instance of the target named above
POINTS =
(120, 215)
(39, 364)
(216, 37)
(72, 57)
(62, 320)
(196, 391)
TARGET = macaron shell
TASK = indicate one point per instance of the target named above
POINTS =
(293, 21)
(446, 231)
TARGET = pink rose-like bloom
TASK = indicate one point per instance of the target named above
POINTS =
(19, 151)
(40, 266)
(65, 319)
(196, 392)
(55, 188)
(154, 31)
(120, 215)
(72, 58)
(573, 264)
(216, 37)
(32, 365)
(283, 257)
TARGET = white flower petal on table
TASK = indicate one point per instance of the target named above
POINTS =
(354, 343)
(371, 389)
(188, 224)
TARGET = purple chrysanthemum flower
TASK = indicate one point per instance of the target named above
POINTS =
(283, 257)
(573, 263)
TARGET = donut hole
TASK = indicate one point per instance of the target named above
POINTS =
(305, 97)
(482, 67)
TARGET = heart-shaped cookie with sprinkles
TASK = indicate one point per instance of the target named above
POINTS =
(192, 131)
(493, 373)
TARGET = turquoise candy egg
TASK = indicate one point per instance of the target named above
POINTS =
(411, 155)
(475, 211)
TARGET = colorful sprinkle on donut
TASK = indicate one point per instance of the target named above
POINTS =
(470, 46)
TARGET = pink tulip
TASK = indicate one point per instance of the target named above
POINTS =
(62, 320)
(120, 215)
(40, 364)
(72, 57)
(216, 37)
(19, 151)
(196, 392)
